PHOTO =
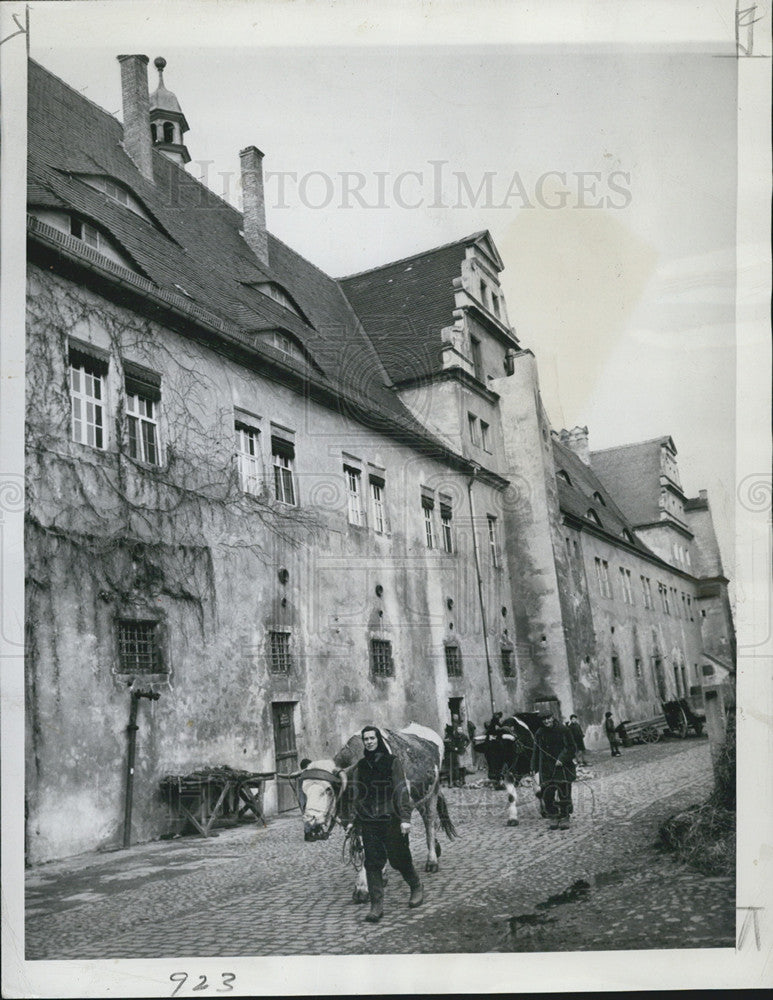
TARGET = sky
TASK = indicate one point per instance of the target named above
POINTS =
(605, 172)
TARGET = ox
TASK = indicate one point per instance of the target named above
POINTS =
(323, 798)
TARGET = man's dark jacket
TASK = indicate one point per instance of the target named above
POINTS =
(553, 754)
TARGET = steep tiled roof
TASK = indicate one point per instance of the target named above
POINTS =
(404, 306)
(577, 497)
(195, 243)
(632, 473)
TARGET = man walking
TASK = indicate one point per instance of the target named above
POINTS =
(382, 810)
(609, 728)
(553, 758)
(579, 739)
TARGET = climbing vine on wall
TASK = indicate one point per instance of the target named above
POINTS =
(105, 502)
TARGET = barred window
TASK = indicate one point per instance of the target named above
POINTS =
(453, 661)
(508, 662)
(381, 658)
(616, 668)
(280, 652)
(138, 648)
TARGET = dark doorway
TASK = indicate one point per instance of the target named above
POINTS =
(660, 679)
(285, 750)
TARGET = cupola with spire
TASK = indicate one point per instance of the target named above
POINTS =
(167, 122)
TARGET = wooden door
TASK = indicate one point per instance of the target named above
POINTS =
(285, 751)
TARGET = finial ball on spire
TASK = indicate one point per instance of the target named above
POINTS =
(160, 63)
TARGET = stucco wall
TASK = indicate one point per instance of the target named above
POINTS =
(184, 543)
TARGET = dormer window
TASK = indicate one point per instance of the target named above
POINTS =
(593, 516)
(115, 192)
(168, 132)
(86, 232)
(628, 536)
(565, 476)
(278, 294)
(599, 499)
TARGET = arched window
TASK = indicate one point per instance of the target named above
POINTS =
(168, 132)
(153, 132)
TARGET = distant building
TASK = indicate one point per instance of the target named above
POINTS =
(292, 504)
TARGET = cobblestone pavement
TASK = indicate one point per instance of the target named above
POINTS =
(256, 891)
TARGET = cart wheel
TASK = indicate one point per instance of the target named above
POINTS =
(650, 735)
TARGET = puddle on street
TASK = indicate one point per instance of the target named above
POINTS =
(576, 892)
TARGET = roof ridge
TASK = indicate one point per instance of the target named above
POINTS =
(421, 253)
(631, 444)
(79, 93)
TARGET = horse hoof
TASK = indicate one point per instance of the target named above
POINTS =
(360, 896)
(512, 822)
(432, 866)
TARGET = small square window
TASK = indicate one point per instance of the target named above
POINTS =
(138, 648)
(280, 652)
(453, 661)
(381, 658)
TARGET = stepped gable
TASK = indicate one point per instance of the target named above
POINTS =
(405, 305)
(577, 499)
(194, 247)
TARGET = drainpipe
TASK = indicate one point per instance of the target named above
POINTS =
(480, 588)
(131, 730)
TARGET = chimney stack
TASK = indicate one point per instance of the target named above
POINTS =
(254, 203)
(577, 440)
(136, 112)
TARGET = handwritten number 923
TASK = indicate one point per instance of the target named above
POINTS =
(182, 977)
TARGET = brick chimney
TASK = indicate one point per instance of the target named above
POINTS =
(577, 440)
(136, 112)
(254, 203)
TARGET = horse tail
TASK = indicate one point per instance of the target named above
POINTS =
(445, 820)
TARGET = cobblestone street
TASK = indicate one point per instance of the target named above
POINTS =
(255, 891)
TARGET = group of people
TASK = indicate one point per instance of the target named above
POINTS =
(382, 806)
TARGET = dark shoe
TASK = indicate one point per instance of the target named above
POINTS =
(563, 823)
(376, 893)
(417, 891)
(553, 824)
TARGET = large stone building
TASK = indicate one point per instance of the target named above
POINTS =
(290, 504)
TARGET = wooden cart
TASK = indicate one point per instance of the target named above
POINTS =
(219, 794)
